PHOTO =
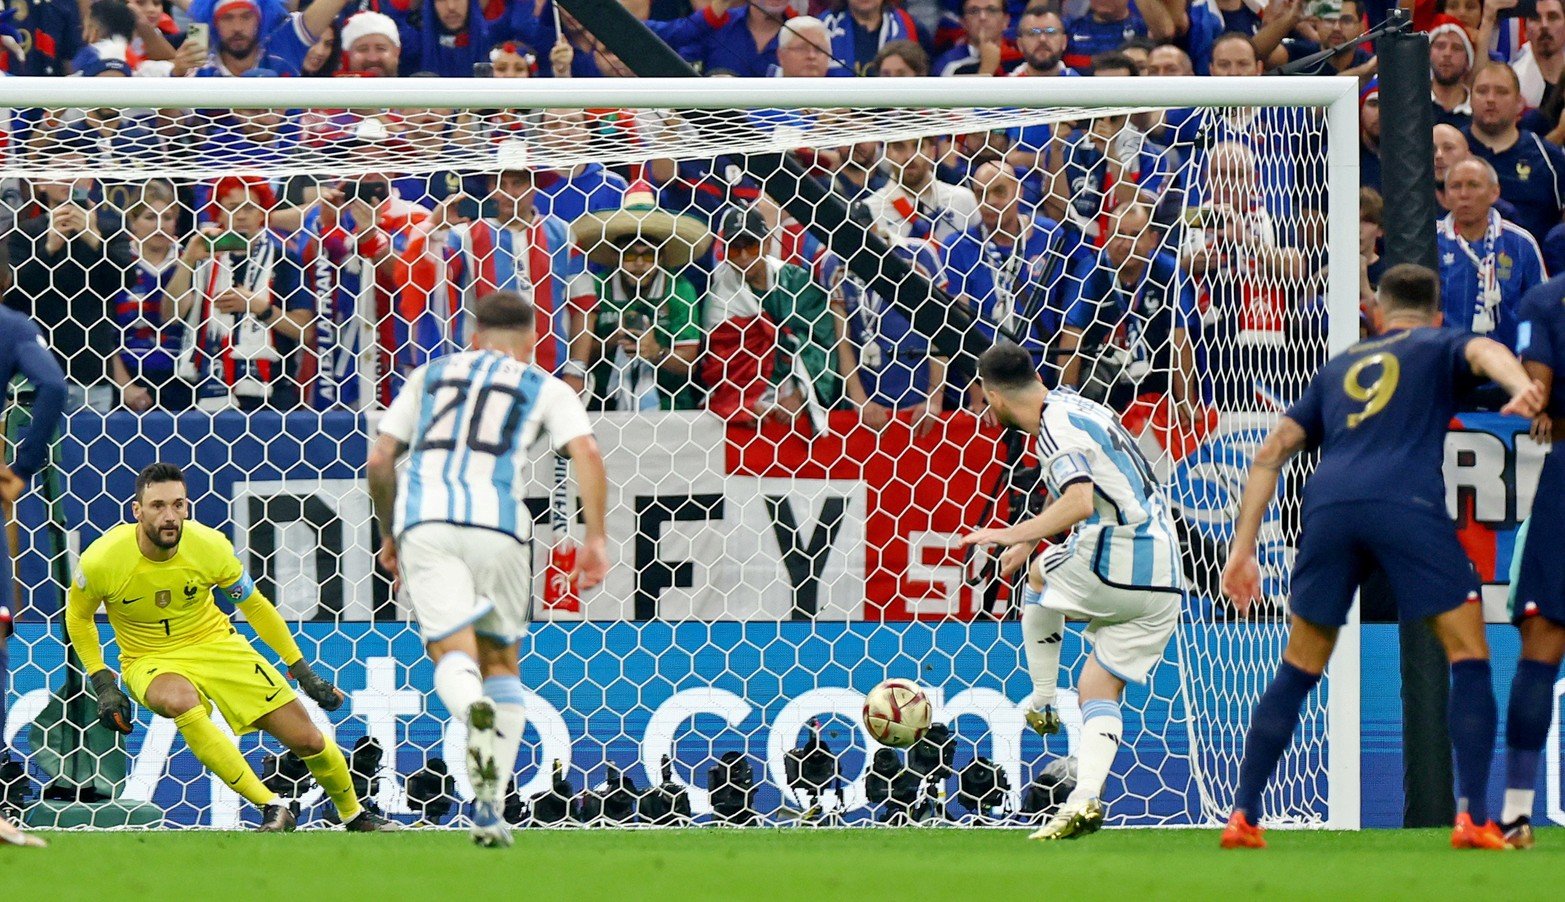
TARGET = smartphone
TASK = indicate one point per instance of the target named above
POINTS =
(81, 196)
(371, 192)
(230, 241)
(199, 34)
(486, 70)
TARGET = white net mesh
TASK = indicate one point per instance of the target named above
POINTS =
(790, 454)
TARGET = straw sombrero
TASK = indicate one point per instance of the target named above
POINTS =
(680, 238)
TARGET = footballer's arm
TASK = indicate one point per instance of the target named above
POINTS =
(382, 467)
(1072, 506)
(592, 485)
(270, 627)
(1242, 575)
(81, 609)
(1492, 360)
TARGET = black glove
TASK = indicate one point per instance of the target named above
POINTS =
(318, 688)
(114, 709)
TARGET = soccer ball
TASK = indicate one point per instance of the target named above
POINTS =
(896, 713)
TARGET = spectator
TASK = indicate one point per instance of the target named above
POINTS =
(1003, 268)
(1107, 165)
(371, 44)
(1369, 135)
(1113, 64)
(901, 59)
(1486, 262)
(50, 33)
(243, 46)
(1129, 319)
(646, 322)
(1450, 149)
(147, 55)
(771, 334)
(513, 59)
(1371, 265)
(1110, 23)
(1540, 66)
(889, 366)
(804, 49)
(1531, 170)
(915, 204)
(1041, 38)
(241, 298)
(861, 29)
(1168, 60)
(514, 246)
(144, 368)
(325, 56)
(568, 194)
(747, 44)
(1209, 21)
(984, 49)
(452, 36)
(1451, 69)
(70, 262)
(1243, 269)
(108, 29)
(1139, 51)
(1339, 23)
(859, 176)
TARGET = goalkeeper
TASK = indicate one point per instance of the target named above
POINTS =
(181, 655)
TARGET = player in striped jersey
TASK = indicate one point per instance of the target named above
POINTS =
(456, 529)
(1118, 568)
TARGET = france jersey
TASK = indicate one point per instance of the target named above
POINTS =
(1538, 570)
(469, 421)
(1129, 539)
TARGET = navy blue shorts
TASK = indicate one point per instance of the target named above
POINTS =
(1538, 573)
(1428, 570)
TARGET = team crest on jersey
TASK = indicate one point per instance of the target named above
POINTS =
(1448, 259)
(1503, 264)
(1523, 171)
(164, 598)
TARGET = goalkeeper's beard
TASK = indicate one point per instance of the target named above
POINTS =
(156, 534)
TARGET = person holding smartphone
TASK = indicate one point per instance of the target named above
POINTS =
(70, 263)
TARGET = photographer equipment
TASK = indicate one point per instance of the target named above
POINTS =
(514, 810)
(614, 801)
(667, 803)
(1049, 789)
(364, 770)
(889, 783)
(811, 771)
(431, 792)
(931, 759)
(15, 787)
(982, 786)
(286, 775)
(554, 804)
(730, 785)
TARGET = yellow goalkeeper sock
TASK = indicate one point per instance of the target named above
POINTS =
(331, 771)
(221, 756)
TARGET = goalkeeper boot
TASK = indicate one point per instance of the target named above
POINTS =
(367, 821)
(490, 829)
(277, 818)
(1241, 834)
(1044, 721)
(1468, 835)
(1518, 833)
(482, 770)
(12, 835)
(1075, 819)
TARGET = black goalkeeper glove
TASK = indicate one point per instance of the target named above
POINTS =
(318, 688)
(114, 709)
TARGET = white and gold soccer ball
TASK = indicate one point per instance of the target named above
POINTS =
(897, 713)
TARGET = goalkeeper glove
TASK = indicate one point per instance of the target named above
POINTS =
(318, 688)
(114, 709)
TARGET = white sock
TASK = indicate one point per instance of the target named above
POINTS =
(458, 683)
(1042, 634)
(1101, 729)
(510, 718)
(1518, 803)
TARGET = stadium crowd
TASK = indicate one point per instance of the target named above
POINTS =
(1164, 261)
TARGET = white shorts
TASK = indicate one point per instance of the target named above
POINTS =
(1128, 629)
(459, 576)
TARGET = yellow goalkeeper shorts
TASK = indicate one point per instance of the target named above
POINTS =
(226, 672)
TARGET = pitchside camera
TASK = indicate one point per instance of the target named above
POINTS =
(432, 791)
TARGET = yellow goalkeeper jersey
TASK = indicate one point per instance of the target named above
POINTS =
(157, 606)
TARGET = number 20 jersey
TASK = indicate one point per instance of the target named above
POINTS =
(469, 421)
(1379, 412)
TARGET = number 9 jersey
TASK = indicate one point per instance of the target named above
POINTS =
(469, 420)
(1379, 413)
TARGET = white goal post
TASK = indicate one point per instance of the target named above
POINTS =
(766, 577)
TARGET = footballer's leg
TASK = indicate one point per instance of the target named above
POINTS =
(1527, 717)
(1473, 721)
(1043, 632)
(503, 686)
(1102, 727)
(291, 725)
(173, 696)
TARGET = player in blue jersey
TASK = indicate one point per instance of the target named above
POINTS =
(1378, 412)
(455, 526)
(1538, 569)
(1118, 569)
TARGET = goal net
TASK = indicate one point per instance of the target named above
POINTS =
(772, 314)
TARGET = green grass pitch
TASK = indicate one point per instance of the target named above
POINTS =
(793, 864)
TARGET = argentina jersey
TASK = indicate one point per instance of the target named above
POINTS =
(1129, 540)
(469, 421)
